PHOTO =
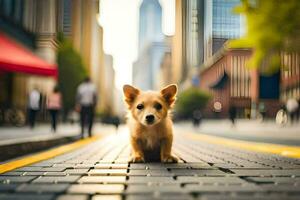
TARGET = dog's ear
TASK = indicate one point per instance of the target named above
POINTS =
(169, 93)
(130, 93)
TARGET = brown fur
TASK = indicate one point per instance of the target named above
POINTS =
(148, 139)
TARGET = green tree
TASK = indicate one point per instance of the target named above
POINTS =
(273, 26)
(189, 100)
(71, 71)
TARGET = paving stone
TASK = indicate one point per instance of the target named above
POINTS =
(228, 166)
(52, 169)
(137, 166)
(8, 187)
(158, 196)
(107, 197)
(63, 165)
(274, 180)
(200, 165)
(42, 164)
(111, 166)
(56, 179)
(243, 196)
(16, 179)
(76, 171)
(96, 189)
(102, 179)
(154, 188)
(72, 197)
(29, 169)
(55, 173)
(149, 179)
(210, 180)
(197, 188)
(33, 173)
(83, 166)
(140, 197)
(266, 172)
(26, 196)
(115, 172)
(280, 188)
(43, 188)
(139, 172)
(197, 172)
(13, 173)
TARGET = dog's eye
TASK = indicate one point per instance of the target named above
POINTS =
(140, 106)
(158, 106)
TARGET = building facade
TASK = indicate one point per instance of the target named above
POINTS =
(39, 22)
(290, 76)
(81, 25)
(33, 25)
(252, 92)
(188, 40)
(220, 24)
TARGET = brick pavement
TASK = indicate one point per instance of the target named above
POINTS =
(100, 171)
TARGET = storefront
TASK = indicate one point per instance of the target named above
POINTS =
(20, 71)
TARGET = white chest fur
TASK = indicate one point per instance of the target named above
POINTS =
(151, 139)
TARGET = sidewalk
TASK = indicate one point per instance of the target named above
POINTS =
(100, 170)
(250, 130)
(16, 141)
(10, 135)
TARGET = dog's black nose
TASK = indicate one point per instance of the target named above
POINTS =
(150, 118)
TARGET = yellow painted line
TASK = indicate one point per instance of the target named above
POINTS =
(283, 150)
(45, 155)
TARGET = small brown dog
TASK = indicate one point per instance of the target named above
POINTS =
(150, 124)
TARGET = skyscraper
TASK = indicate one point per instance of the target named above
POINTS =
(220, 24)
(152, 46)
(150, 23)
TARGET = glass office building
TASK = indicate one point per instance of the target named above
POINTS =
(220, 24)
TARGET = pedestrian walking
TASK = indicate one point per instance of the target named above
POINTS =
(86, 99)
(281, 116)
(54, 106)
(292, 109)
(232, 114)
(298, 111)
(197, 117)
(34, 103)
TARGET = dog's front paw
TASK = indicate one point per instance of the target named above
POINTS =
(169, 159)
(137, 159)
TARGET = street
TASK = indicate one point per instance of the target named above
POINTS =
(99, 169)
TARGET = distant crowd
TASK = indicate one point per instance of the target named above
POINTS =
(86, 100)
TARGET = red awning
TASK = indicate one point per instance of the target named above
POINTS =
(16, 58)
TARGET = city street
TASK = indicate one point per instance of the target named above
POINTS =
(214, 84)
(98, 168)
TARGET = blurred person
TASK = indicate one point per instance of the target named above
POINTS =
(34, 103)
(116, 122)
(281, 116)
(298, 113)
(262, 111)
(232, 114)
(54, 106)
(197, 117)
(86, 100)
(292, 107)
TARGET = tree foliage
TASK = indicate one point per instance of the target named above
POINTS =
(71, 71)
(273, 27)
(189, 100)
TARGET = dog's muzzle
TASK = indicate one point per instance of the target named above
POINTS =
(150, 119)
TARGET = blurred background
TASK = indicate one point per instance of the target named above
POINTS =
(231, 59)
